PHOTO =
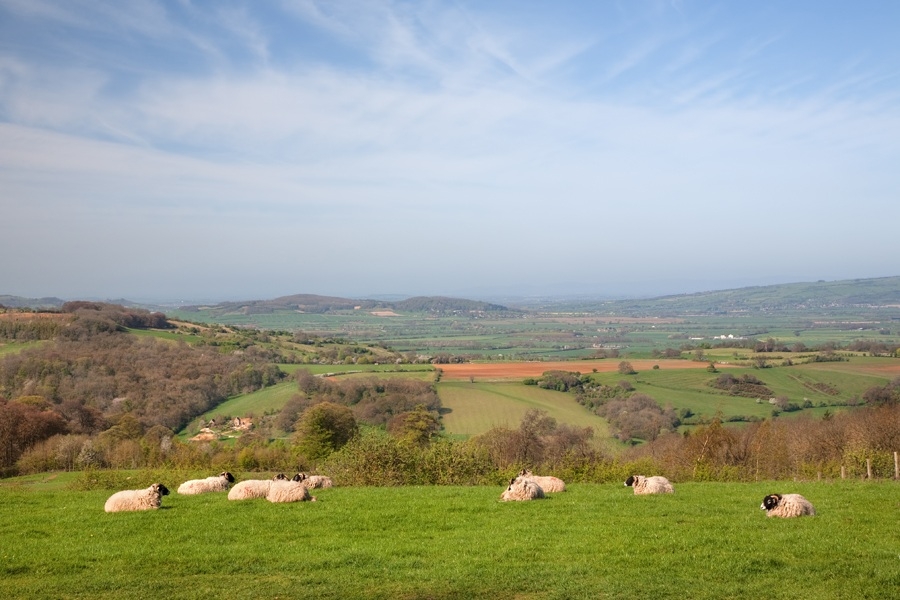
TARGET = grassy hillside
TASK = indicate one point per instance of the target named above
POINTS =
(707, 541)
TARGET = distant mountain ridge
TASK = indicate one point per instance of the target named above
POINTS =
(311, 303)
(868, 293)
(872, 292)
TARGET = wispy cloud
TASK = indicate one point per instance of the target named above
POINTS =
(531, 130)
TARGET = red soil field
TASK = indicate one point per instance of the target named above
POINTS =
(520, 370)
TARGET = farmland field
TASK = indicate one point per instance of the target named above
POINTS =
(520, 370)
(474, 408)
(480, 395)
(707, 541)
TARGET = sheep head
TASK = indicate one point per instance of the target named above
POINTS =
(770, 501)
(160, 489)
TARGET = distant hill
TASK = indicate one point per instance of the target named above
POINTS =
(20, 302)
(810, 296)
(311, 303)
(813, 296)
(443, 304)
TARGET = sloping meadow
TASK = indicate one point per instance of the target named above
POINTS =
(708, 540)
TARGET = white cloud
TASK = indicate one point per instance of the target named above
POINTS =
(499, 145)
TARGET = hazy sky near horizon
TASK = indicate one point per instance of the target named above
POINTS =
(183, 149)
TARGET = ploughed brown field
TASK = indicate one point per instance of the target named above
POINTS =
(519, 370)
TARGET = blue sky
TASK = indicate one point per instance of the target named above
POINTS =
(162, 150)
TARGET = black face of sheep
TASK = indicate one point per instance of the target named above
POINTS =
(163, 490)
(280, 477)
(299, 477)
(630, 481)
(771, 501)
(227, 476)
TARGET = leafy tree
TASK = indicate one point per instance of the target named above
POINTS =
(416, 427)
(887, 395)
(23, 424)
(535, 425)
(324, 428)
(625, 368)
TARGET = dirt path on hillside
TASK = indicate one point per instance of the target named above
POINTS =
(520, 370)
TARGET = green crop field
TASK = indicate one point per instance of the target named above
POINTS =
(474, 408)
(706, 541)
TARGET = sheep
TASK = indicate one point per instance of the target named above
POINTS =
(253, 488)
(787, 505)
(650, 485)
(217, 483)
(522, 489)
(548, 483)
(313, 481)
(146, 499)
(289, 491)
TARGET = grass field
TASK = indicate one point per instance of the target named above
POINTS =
(707, 541)
(474, 408)
(16, 347)
(690, 388)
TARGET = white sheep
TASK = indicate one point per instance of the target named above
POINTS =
(650, 485)
(522, 489)
(253, 488)
(146, 499)
(548, 483)
(314, 481)
(289, 491)
(787, 505)
(217, 483)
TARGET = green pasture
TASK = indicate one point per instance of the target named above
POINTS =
(707, 541)
(391, 370)
(269, 399)
(16, 347)
(273, 398)
(164, 334)
(473, 408)
(690, 388)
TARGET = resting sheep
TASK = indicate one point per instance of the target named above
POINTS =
(548, 483)
(787, 505)
(217, 483)
(650, 485)
(289, 491)
(253, 488)
(522, 489)
(146, 499)
(314, 481)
